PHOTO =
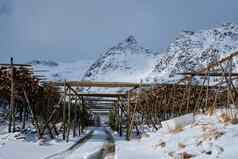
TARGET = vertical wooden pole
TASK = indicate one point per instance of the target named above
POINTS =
(79, 121)
(189, 94)
(230, 90)
(83, 124)
(207, 91)
(129, 117)
(75, 117)
(12, 102)
(119, 115)
(69, 117)
(24, 117)
(64, 111)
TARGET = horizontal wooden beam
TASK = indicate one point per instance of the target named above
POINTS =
(99, 107)
(100, 84)
(208, 74)
(98, 95)
(25, 65)
(100, 100)
(99, 110)
(212, 65)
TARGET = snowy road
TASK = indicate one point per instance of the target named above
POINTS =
(93, 148)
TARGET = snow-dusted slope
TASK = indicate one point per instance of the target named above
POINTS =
(194, 50)
(62, 71)
(206, 138)
(126, 62)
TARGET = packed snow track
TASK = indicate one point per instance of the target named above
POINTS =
(97, 144)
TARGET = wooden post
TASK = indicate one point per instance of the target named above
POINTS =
(83, 117)
(189, 94)
(207, 91)
(69, 117)
(78, 117)
(75, 117)
(24, 117)
(128, 117)
(119, 115)
(64, 111)
(12, 102)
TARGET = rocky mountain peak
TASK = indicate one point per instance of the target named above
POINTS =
(130, 41)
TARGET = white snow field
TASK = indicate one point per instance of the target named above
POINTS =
(206, 138)
(88, 149)
(19, 146)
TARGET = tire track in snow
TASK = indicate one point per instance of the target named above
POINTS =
(97, 145)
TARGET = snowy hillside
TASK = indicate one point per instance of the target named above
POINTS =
(125, 62)
(206, 138)
(61, 71)
(194, 50)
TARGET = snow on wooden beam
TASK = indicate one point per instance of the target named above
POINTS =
(100, 84)
(208, 74)
(178, 122)
(212, 65)
(98, 95)
(24, 65)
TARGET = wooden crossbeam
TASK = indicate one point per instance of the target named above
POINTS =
(210, 66)
(25, 65)
(99, 108)
(99, 95)
(100, 84)
(103, 109)
(208, 74)
(100, 100)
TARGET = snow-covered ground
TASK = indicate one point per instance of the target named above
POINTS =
(92, 146)
(206, 138)
(26, 146)
(29, 147)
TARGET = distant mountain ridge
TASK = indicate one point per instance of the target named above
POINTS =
(127, 61)
(194, 50)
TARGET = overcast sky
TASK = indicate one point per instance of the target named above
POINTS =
(68, 30)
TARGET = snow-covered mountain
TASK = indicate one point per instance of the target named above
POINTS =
(194, 50)
(129, 62)
(61, 70)
(125, 62)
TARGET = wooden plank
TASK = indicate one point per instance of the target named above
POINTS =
(208, 74)
(210, 66)
(100, 100)
(24, 65)
(100, 84)
(99, 95)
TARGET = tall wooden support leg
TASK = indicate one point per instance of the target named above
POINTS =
(189, 94)
(12, 102)
(82, 117)
(69, 118)
(117, 117)
(230, 86)
(24, 117)
(64, 111)
(128, 132)
(78, 118)
(75, 117)
(207, 90)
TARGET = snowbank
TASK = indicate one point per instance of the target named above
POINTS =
(206, 138)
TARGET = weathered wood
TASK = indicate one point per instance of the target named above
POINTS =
(64, 112)
(216, 74)
(100, 84)
(110, 95)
